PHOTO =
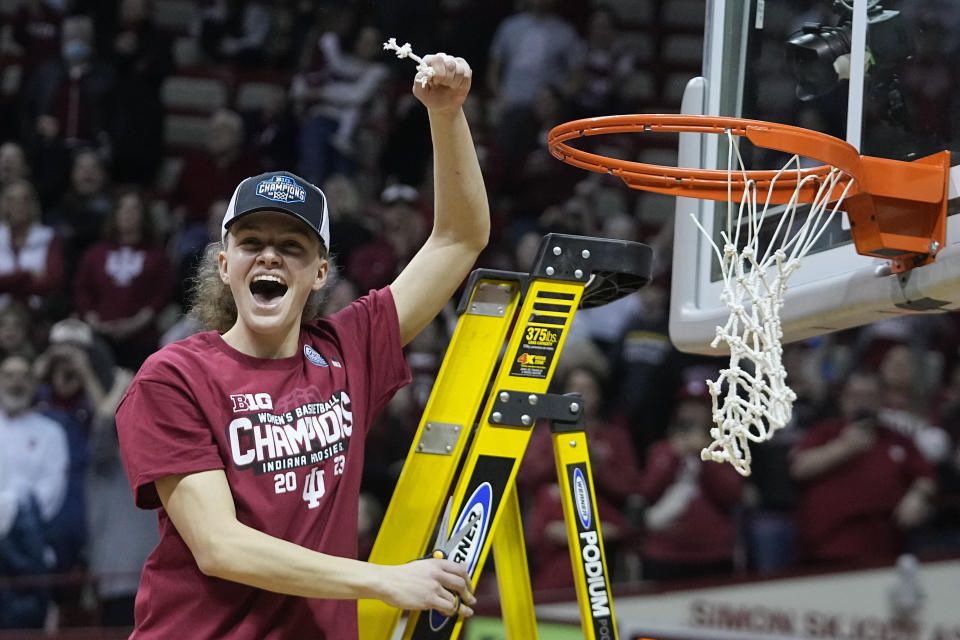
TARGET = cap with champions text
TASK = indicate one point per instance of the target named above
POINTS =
(284, 192)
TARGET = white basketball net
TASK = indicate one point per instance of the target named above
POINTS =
(750, 406)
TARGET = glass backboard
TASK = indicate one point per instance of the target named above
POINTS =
(881, 74)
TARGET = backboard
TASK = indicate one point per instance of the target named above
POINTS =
(881, 74)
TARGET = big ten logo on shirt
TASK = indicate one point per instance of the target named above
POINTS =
(124, 265)
(251, 402)
(295, 434)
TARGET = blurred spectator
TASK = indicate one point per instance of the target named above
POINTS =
(388, 444)
(948, 513)
(36, 29)
(235, 31)
(615, 474)
(406, 147)
(333, 99)
(15, 335)
(863, 485)
(647, 367)
(690, 513)
(607, 62)
(289, 20)
(13, 164)
(907, 394)
(402, 229)
(185, 326)
(770, 524)
(35, 461)
(71, 99)
(537, 183)
(369, 517)
(120, 535)
(31, 257)
(124, 282)
(531, 49)
(11, 78)
(80, 215)
(22, 556)
(188, 323)
(349, 226)
(142, 57)
(342, 292)
(68, 393)
(209, 175)
(274, 131)
(463, 26)
(187, 268)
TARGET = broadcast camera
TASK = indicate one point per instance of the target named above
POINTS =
(818, 56)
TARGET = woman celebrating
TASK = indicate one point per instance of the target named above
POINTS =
(251, 441)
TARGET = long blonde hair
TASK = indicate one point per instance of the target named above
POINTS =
(213, 302)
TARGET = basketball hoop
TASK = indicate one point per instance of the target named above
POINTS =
(897, 211)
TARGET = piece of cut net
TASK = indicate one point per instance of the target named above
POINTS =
(751, 399)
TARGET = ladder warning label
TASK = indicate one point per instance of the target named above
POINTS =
(536, 351)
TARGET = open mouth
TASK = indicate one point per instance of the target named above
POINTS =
(267, 289)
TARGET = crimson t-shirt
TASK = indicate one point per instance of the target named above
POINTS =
(847, 513)
(289, 434)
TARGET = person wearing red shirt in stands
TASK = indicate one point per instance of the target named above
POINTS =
(613, 465)
(124, 282)
(689, 513)
(208, 175)
(863, 485)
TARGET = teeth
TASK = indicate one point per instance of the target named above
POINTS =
(269, 278)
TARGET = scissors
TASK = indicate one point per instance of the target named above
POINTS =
(444, 546)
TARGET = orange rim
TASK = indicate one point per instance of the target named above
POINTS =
(711, 184)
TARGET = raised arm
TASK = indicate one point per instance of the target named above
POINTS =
(201, 507)
(461, 223)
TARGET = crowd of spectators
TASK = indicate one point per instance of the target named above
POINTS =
(103, 218)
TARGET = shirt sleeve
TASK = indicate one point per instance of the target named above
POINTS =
(369, 334)
(162, 432)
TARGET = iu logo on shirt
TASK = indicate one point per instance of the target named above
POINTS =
(314, 488)
(124, 265)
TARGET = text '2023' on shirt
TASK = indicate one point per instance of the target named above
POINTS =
(289, 434)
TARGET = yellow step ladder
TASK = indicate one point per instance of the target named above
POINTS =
(477, 449)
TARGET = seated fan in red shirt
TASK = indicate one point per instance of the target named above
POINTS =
(125, 281)
(863, 485)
